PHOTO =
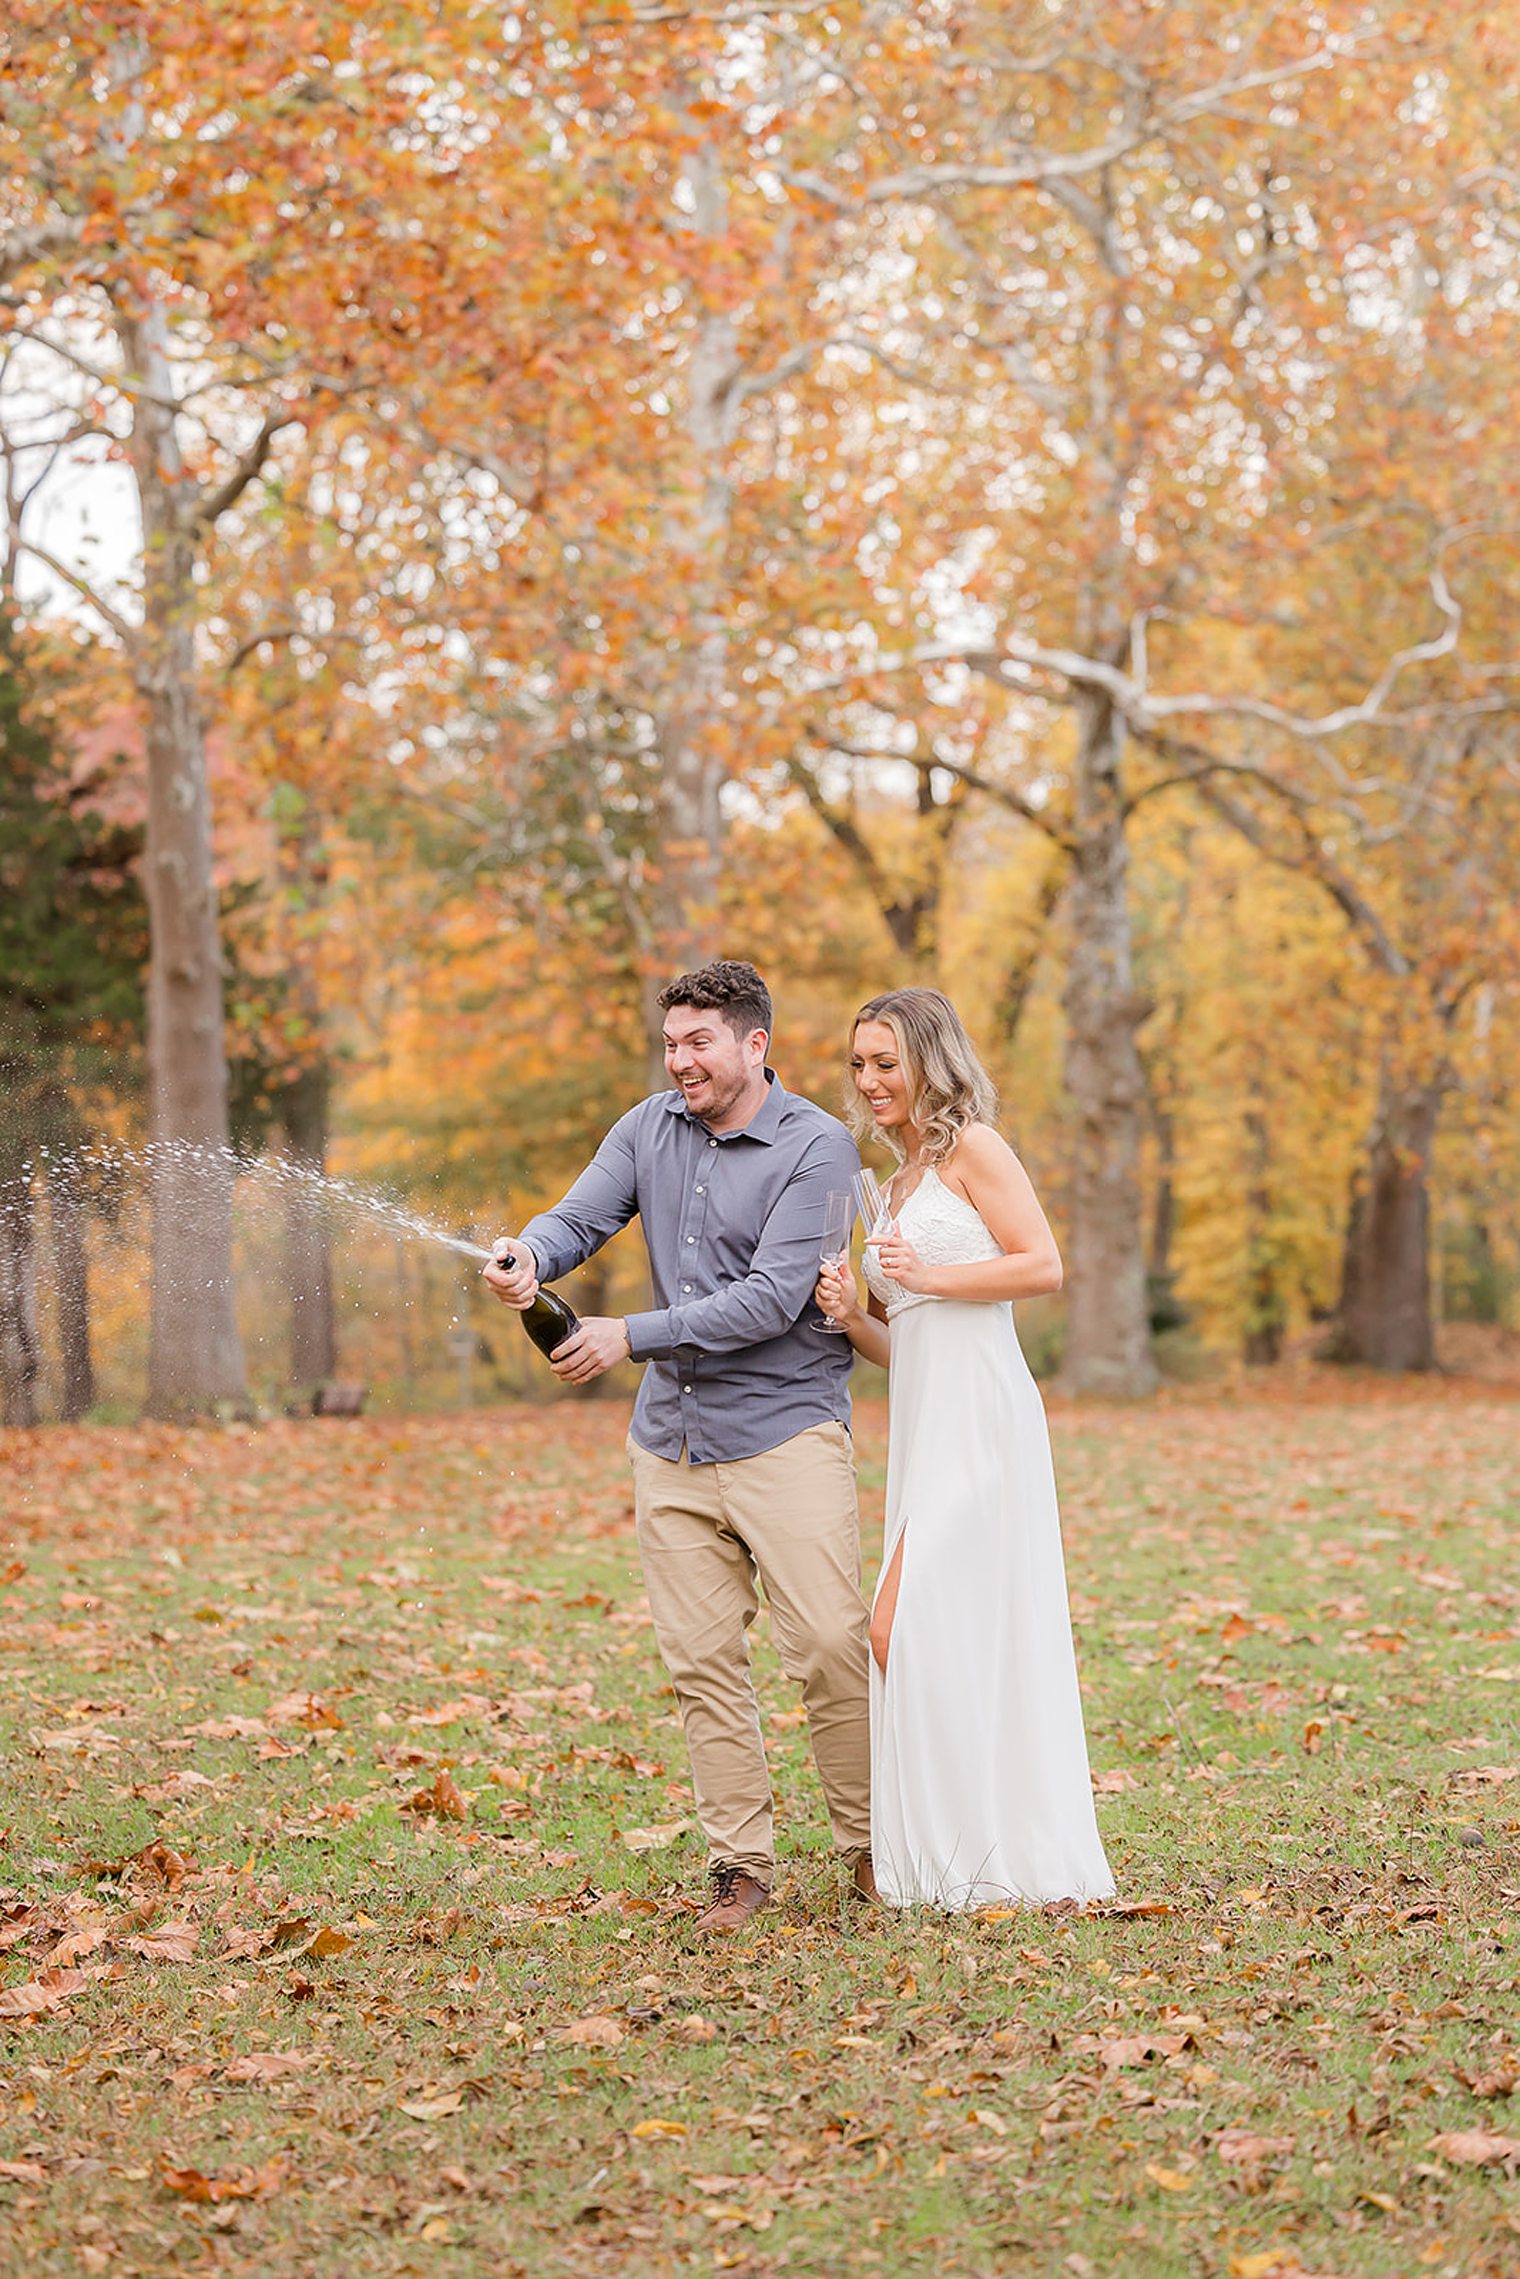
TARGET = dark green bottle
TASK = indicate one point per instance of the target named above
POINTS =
(548, 1320)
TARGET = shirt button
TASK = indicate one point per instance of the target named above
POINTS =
(701, 1190)
(691, 1238)
(712, 1143)
(686, 1388)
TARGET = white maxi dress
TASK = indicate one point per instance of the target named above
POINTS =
(980, 1790)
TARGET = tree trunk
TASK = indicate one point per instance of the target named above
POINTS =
(1266, 1308)
(308, 1248)
(1384, 1318)
(20, 1347)
(66, 1215)
(1108, 1328)
(687, 870)
(1028, 947)
(195, 1354)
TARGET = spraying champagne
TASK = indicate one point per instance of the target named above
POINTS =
(547, 1319)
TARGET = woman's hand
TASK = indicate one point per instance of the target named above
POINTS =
(837, 1293)
(901, 1263)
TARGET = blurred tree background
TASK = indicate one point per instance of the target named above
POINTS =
(501, 506)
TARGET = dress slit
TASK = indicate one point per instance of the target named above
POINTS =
(896, 1563)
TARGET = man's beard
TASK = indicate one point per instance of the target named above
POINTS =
(723, 1098)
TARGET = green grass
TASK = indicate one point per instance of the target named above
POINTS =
(1299, 1631)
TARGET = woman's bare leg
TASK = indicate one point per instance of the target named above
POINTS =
(884, 1607)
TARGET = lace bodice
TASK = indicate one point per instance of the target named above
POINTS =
(944, 1229)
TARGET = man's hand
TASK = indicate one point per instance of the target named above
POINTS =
(514, 1285)
(598, 1345)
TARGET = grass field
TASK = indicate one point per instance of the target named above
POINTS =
(347, 1869)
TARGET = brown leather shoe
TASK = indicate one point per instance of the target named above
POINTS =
(737, 1898)
(865, 1881)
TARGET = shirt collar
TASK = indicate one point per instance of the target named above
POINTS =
(763, 1124)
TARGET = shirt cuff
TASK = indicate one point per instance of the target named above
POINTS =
(544, 1252)
(649, 1335)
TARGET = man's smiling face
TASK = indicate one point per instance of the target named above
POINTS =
(721, 1076)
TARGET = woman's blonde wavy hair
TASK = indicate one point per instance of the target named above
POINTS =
(947, 1085)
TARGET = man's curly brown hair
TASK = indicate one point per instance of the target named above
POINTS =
(728, 986)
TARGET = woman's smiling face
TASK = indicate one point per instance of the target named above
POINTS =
(879, 1075)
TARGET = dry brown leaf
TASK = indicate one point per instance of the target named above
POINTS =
(307, 1709)
(730, 2218)
(432, 2108)
(23, 2171)
(76, 1740)
(75, 1945)
(19, 1924)
(453, 1712)
(1271, 2263)
(443, 1801)
(171, 1942)
(182, 1784)
(658, 2128)
(39, 1995)
(1239, 2148)
(656, 1838)
(240, 1945)
(237, 2184)
(1169, 2179)
(156, 1863)
(696, 2029)
(599, 2032)
(266, 2065)
(1119, 2050)
(325, 1943)
(1477, 2148)
(290, 1931)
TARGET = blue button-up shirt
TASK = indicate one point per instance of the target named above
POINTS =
(734, 1224)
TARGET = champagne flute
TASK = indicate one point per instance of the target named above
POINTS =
(872, 1204)
(834, 1246)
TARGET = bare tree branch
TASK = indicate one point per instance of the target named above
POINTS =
(1028, 168)
(248, 469)
(276, 636)
(1145, 712)
(1004, 794)
(1304, 853)
(125, 633)
(839, 823)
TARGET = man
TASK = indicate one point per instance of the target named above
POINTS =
(740, 1446)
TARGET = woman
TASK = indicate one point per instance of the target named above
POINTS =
(979, 1781)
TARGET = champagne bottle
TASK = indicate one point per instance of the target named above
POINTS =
(548, 1320)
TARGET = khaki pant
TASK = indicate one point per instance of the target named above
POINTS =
(706, 1532)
